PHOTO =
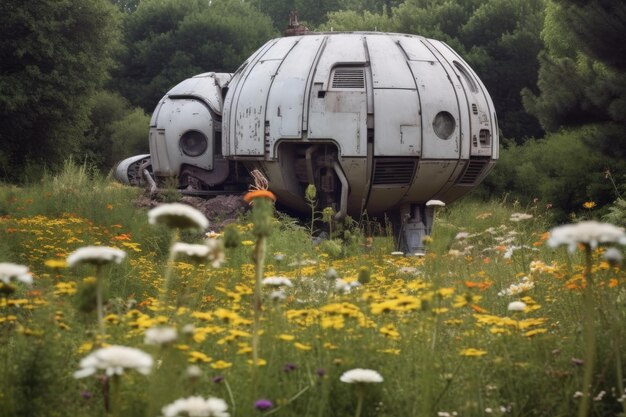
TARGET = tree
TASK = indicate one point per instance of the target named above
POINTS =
(168, 41)
(581, 79)
(53, 56)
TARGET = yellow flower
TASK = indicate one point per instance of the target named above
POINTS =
(221, 365)
(533, 332)
(589, 204)
(56, 263)
(329, 346)
(259, 362)
(247, 243)
(301, 346)
(195, 356)
(286, 337)
(472, 352)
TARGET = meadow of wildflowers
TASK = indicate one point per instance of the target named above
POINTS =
(155, 318)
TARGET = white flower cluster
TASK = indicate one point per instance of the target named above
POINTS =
(9, 271)
(509, 251)
(525, 285)
(361, 376)
(196, 406)
(345, 286)
(590, 233)
(518, 217)
(177, 215)
(277, 281)
(113, 360)
(95, 255)
(160, 335)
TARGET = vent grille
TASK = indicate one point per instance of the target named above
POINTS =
(474, 108)
(474, 169)
(353, 78)
(393, 172)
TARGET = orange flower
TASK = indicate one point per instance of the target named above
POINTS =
(480, 285)
(251, 195)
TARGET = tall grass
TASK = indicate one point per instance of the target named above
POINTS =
(435, 327)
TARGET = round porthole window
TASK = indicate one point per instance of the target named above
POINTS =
(444, 124)
(193, 143)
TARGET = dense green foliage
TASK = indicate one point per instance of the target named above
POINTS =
(168, 41)
(54, 54)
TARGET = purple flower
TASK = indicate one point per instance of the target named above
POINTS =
(263, 404)
(320, 372)
(86, 394)
(217, 379)
(289, 367)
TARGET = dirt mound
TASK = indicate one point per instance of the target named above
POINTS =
(220, 210)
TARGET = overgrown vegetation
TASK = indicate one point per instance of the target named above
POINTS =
(440, 329)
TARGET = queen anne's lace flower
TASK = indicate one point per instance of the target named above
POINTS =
(590, 233)
(9, 271)
(192, 250)
(95, 255)
(196, 406)
(516, 306)
(177, 215)
(435, 203)
(114, 360)
(160, 335)
(361, 376)
(277, 281)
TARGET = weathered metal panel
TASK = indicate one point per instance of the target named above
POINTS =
(483, 115)
(430, 179)
(436, 95)
(397, 123)
(342, 117)
(286, 100)
(249, 110)
(388, 63)
(229, 122)
(414, 48)
(340, 49)
(175, 118)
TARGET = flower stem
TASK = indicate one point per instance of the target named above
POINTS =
(99, 307)
(169, 266)
(115, 396)
(359, 405)
(589, 336)
(257, 304)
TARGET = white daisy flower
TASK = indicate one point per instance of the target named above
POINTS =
(590, 233)
(114, 360)
(160, 335)
(361, 376)
(9, 271)
(196, 406)
(177, 215)
(95, 255)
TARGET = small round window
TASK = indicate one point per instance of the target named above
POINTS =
(193, 143)
(444, 124)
